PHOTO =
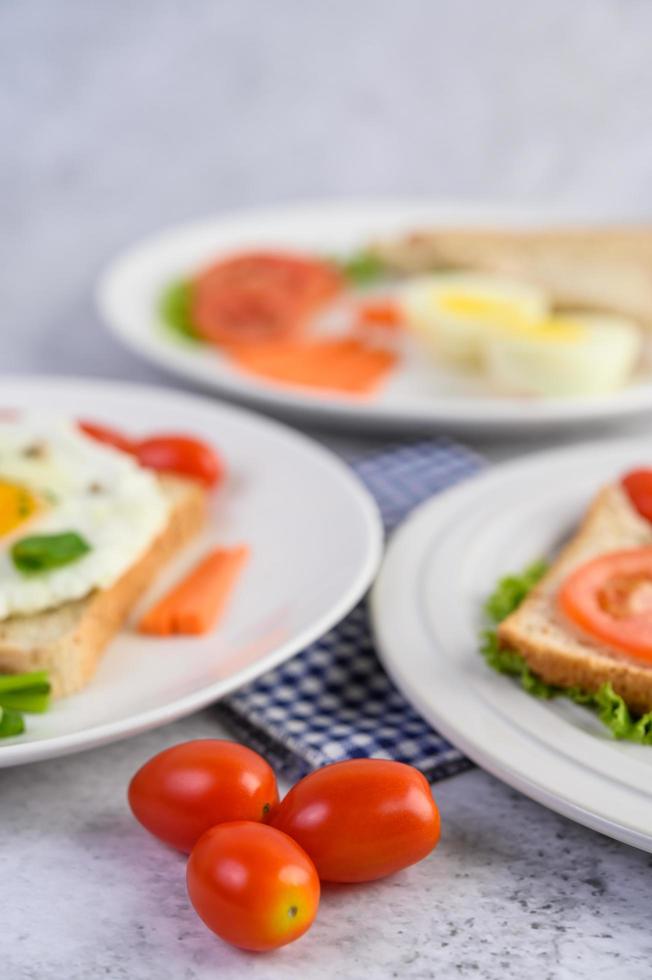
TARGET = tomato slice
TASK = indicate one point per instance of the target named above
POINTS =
(260, 296)
(111, 437)
(181, 454)
(610, 599)
(638, 487)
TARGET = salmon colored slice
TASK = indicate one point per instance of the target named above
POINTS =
(348, 365)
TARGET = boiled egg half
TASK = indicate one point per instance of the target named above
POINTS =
(578, 354)
(455, 313)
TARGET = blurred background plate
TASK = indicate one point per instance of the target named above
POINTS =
(418, 396)
(315, 537)
(427, 616)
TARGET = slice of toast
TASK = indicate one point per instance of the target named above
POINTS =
(68, 641)
(605, 268)
(553, 648)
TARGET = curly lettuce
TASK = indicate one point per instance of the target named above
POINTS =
(609, 706)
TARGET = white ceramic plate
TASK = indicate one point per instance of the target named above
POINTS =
(316, 541)
(417, 396)
(426, 608)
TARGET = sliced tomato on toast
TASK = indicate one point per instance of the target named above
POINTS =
(610, 599)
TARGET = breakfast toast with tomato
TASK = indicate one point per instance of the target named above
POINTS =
(588, 622)
(88, 518)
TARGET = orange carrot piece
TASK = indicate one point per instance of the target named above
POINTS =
(195, 604)
(342, 364)
(380, 313)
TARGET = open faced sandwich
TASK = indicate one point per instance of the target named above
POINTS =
(88, 518)
(583, 627)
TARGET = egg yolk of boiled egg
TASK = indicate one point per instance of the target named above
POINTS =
(17, 505)
(484, 308)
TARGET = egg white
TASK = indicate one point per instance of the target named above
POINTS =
(100, 493)
(590, 354)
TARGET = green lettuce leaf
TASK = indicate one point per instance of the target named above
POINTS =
(609, 706)
(174, 307)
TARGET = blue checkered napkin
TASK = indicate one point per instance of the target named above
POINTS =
(334, 700)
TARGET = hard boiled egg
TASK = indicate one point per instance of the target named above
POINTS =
(455, 313)
(582, 354)
(53, 480)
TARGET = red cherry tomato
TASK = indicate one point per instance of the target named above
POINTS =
(182, 455)
(186, 789)
(252, 885)
(361, 819)
(638, 486)
(610, 599)
(102, 433)
(260, 296)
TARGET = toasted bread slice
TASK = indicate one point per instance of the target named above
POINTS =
(607, 269)
(68, 641)
(554, 649)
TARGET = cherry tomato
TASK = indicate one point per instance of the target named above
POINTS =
(361, 819)
(102, 433)
(260, 296)
(638, 486)
(186, 789)
(252, 885)
(183, 455)
(610, 599)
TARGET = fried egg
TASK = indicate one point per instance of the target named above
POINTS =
(455, 313)
(579, 354)
(54, 479)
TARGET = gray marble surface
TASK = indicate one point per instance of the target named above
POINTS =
(118, 118)
(512, 891)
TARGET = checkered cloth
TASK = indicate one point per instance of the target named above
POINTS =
(334, 700)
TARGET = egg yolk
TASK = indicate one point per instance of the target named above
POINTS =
(486, 308)
(17, 505)
(553, 330)
(509, 318)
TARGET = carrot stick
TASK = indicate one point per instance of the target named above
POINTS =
(195, 604)
(346, 364)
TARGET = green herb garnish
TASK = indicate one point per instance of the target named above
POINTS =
(42, 552)
(175, 307)
(610, 707)
(25, 692)
(362, 268)
(11, 723)
(21, 692)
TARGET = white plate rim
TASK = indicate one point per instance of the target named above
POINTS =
(487, 414)
(393, 603)
(24, 752)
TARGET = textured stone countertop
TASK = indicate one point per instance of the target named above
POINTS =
(512, 891)
(117, 119)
